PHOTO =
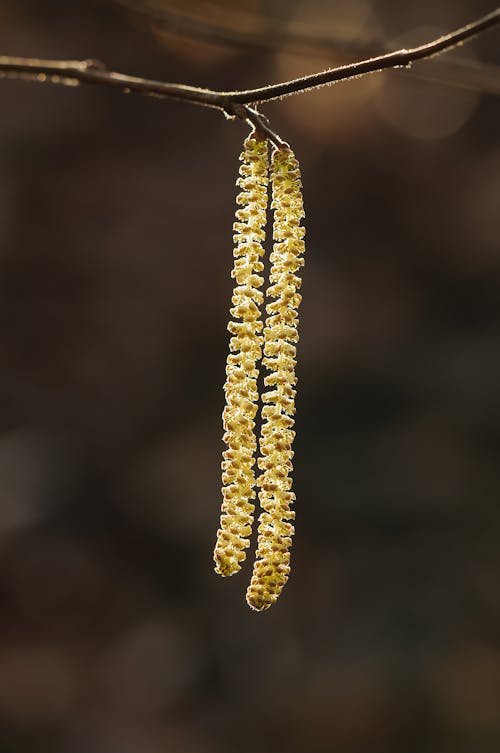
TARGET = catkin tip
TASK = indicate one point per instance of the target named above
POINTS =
(226, 565)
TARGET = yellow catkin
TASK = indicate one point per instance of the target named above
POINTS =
(272, 565)
(238, 475)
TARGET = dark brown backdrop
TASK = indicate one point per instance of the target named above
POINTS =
(115, 251)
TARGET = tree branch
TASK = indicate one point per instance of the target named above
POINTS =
(397, 59)
(240, 31)
(72, 73)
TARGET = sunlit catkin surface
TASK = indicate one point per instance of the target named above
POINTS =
(238, 476)
(272, 565)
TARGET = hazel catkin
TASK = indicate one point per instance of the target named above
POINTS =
(238, 475)
(272, 564)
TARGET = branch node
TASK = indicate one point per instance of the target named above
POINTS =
(235, 109)
(93, 65)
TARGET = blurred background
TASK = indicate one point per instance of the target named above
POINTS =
(115, 256)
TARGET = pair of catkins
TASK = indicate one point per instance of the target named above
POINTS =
(273, 344)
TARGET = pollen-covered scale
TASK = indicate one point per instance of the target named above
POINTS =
(279, 338)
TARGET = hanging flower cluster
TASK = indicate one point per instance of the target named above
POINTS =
(240, 389)
(272, 565)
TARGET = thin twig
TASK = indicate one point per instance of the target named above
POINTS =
(397, 59)
(95, 72)
(241, 31)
